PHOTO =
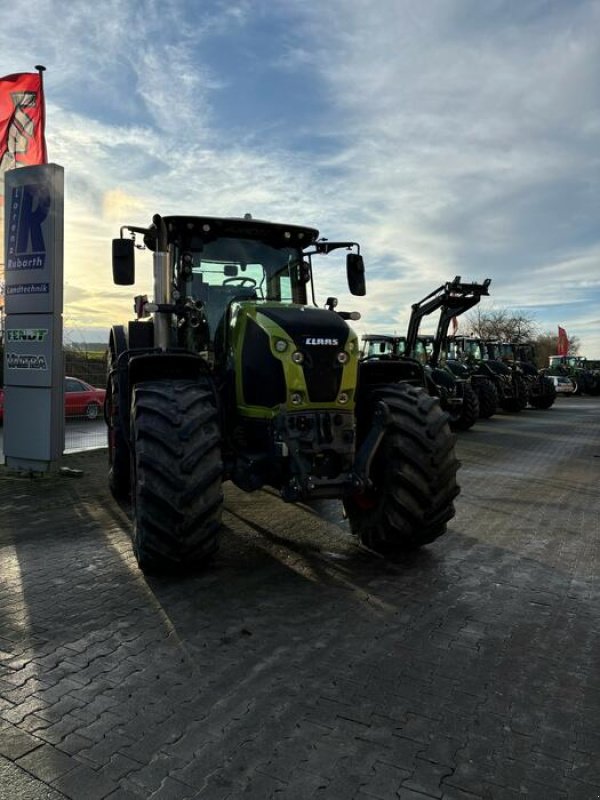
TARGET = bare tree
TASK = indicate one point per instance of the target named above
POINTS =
(546, 344)
(515, 326)
(502, 323)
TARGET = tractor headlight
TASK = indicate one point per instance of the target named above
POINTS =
(296, 398)
(343, 398)
(281, 345)
(297, 357)
(343, 357)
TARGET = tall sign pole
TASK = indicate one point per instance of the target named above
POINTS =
(33, 358)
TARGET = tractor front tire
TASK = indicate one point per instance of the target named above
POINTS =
(518, 401)
(413, 475)
(177, 474)
(547, 394)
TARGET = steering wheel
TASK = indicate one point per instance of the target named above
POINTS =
(240, 280)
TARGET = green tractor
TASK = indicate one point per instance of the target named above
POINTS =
(231, 373)
(482, 360)
(541, 391)
(458, 396)
(583, 375)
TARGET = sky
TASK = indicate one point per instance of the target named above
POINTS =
(447, 137)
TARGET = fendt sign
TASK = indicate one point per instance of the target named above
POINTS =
(33, 358)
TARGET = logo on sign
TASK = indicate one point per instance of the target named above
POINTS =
(29, 207)
(22, 361)
(28, 288)
(27, 334)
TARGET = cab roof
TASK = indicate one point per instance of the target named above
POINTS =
(185, 228)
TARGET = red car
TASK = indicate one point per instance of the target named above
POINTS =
(81, 399)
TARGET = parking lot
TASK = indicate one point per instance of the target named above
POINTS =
(300, 665)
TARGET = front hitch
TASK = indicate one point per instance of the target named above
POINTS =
(381, 420)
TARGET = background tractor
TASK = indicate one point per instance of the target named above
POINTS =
(441, 383)
(541, 392)
(231, 373)
(464, 397)
(480, 359)
(461, 393)
(583, 375)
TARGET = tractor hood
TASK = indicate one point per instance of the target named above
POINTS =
(310, 328)
(297, 357)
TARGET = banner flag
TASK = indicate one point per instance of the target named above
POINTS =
(22, 121)
(562, 348)
(22, 136)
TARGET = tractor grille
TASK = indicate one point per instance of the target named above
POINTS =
(322, 373)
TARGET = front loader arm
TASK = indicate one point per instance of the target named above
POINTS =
(454, 298)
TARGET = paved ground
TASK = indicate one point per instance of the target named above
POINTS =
(300, 666)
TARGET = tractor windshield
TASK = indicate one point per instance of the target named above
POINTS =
(258, 269)
(505, 351)
(469, 349)
(381, 348)
(422, 350)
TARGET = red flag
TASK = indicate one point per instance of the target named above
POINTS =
(22, 121)
(562, 347)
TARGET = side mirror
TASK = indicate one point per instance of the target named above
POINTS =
(355, 273)
(123, 262)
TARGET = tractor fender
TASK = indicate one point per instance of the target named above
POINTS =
(164, 365)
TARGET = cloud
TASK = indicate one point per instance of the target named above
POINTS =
(470, 139)
(447, 137)
(118, 205)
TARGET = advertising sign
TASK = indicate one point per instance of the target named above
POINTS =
(33, 230)
(33, 354)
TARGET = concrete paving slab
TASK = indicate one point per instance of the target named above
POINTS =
(300, 665)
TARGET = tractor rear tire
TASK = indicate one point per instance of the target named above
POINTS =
(413, 475)
(177, 474)
(469, 413)
(547, 395)
(487, 394)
